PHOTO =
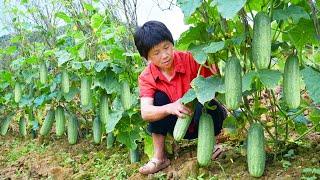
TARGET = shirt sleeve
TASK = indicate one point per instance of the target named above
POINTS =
(145, 87)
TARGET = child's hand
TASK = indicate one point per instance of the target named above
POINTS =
(177, 108)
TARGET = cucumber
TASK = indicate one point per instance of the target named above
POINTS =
(5, 125)
(65, 83)
(43, 73)
(96, 129)
(23, 127)
(181, 127)
(291, 82)
(110, 140)
(17, 92)
(206, 139)
(233, 83)
(104, 108)
(72, 130)
(134, 155)
(47, 123)
(85, 91)
(261, 42)
(256, 155)
(60, 121)
(126, 95)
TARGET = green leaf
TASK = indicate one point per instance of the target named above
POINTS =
(255, 4)
(148, 146)
(188, 7)
(247, 80)
(269, 78)
(70, 95)
(228, 9)
(214, 47)
(39, 100)
(31, 60)
(76, 65)
(5, 76)
(10, 50)
(198, 53)
(96, 21)
(314, 117)
(300, 123)
(63, 57)
(294, 12)
(205, 88)
(191, 35)
(99, 66)
(303, 33)
(230, 122)
(88, 7)
(82, 52)
(109, 83)
(115, 115)
(63, 16)
(88, 64)
(129, 138)
(188, 96)
(311, 79)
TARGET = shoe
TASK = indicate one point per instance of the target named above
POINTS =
(154, 165)
(217, 151)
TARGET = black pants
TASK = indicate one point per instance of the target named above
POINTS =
(167, 124)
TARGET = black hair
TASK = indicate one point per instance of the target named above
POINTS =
(149, 35)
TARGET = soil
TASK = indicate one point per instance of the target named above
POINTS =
(56, 159)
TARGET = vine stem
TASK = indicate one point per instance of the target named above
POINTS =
(224, 173)
(307, 132)
(273, 112)
(199, 70)
(265, 127)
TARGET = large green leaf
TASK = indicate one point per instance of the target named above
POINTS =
(191, 35)
(115, 115)
(230, 124)
(311, 79)
(99, 66)
(63, 16)
(293, 12)
(188, 96)
(39, 100)
(70, 95)
(63, 57)
(255, 4)
(148, 146)
(199, 54)
(303, 33)
(205, 88)
(269, 78)
(314, 117)
(214, 47)
(228, 9)
(96, 21)
(188, 7)
(247, 80)
(129, 138)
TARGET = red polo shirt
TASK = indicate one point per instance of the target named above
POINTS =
(185, 70)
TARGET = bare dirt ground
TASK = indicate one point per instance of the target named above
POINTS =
(56, 159)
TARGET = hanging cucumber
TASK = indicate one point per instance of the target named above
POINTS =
(233, 83)
(291, 82)
(261, 42)
(60, 121)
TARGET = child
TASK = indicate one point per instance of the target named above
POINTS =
(162, 83)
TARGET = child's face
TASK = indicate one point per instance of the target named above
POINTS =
(161, 55)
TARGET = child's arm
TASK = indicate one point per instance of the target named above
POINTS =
(151, 113)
